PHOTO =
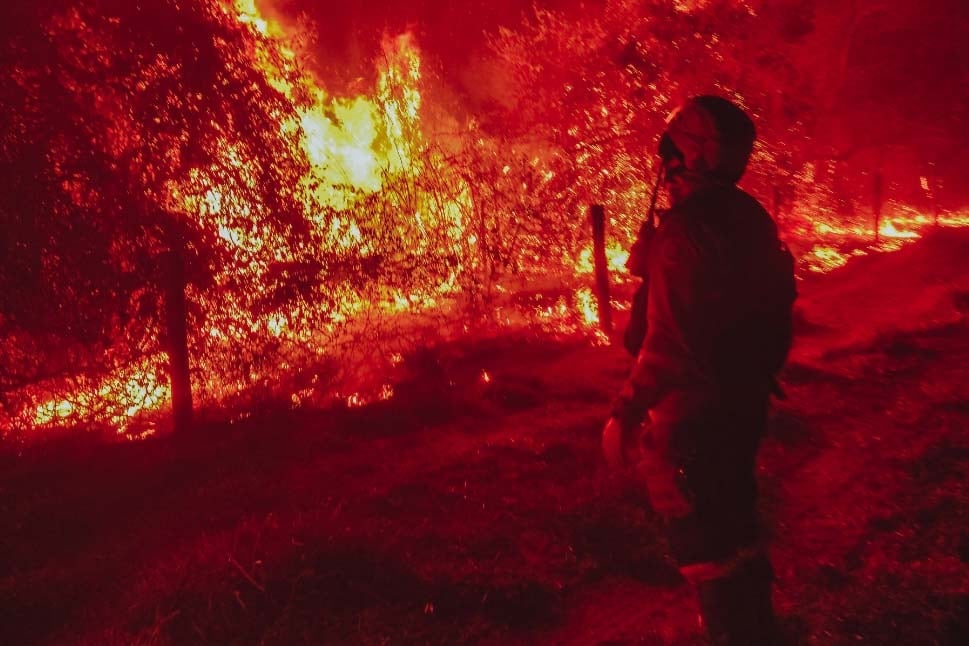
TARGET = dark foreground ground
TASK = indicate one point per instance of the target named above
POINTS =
(466, 511)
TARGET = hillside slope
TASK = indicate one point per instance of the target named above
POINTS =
(474, 506)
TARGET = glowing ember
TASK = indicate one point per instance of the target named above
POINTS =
(359, 399)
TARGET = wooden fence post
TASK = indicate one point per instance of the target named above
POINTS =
(876, 199)
(598, 216)
(177, 333)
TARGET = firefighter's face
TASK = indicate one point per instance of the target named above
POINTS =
(675, 178)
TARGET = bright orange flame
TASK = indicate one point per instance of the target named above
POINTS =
(118, 399)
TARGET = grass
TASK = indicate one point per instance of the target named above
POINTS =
(465, 511)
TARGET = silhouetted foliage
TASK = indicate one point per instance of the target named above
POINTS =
(127, 126)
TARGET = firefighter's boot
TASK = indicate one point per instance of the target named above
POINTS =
(736, 607)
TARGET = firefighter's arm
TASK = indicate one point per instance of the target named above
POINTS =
(671, 311)
(638, 261)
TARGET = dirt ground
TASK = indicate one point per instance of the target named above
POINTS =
(474, 510)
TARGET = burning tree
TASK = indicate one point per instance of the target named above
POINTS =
(599, 84)
(196, 192)
(136, 133)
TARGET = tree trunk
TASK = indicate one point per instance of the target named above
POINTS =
(877, 197)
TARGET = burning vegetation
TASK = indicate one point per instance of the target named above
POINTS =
(189, 209)
(378, 294)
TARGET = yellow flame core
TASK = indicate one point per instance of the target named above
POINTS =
(250, 15)
(117, 398)
(617, 253)
(889, 230)
(350, 142)
(587, 306)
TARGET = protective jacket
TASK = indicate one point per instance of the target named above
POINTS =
(716, 304)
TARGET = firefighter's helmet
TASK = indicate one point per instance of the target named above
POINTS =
(712, 137)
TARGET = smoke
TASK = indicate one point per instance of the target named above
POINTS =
(452, 35)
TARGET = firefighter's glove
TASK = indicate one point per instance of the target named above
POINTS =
(618, 443)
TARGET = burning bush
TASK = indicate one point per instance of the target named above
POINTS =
(134, 131)
(175, 157)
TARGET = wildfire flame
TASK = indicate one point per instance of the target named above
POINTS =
(359, 147)
(118, 398)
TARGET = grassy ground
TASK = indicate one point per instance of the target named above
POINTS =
(472, 511)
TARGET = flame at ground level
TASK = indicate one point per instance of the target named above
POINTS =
(116, 399)
(834, 244)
